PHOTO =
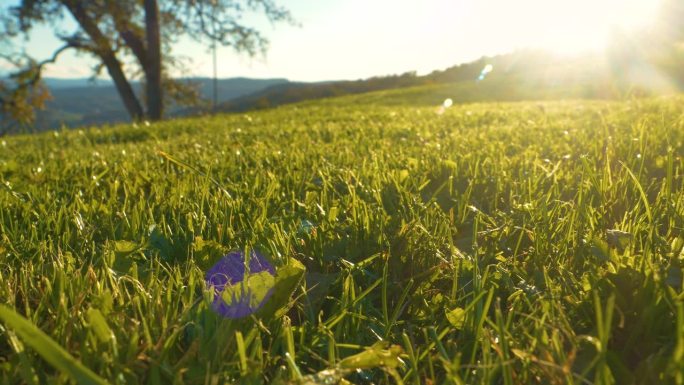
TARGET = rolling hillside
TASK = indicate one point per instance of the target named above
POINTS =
(77, 102)
(488, 243)
(523, 75)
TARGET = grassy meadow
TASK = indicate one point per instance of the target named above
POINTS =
(500, 243)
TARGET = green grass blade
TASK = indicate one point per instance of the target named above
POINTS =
(642, 194)
(48, 348)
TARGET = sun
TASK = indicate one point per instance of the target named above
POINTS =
(587, 25)
(564, 26)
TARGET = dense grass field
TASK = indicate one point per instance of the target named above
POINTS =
(517, 243)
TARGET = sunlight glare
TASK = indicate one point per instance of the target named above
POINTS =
(485, 71)
(562, 26)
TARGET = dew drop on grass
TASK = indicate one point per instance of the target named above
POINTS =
(306, 227)
(240, 290)
(638, 156)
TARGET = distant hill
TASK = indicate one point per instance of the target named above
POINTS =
(80, 102)
(522, 75)
(298, 91)
(59, 83)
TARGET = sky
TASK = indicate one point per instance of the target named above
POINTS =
(354, 39)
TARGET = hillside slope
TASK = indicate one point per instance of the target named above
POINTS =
(508, 243)
(77, 103)
(521, 75)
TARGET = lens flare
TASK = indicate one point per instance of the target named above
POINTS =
(485, 71)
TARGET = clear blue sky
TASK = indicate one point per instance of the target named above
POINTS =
(351, 39)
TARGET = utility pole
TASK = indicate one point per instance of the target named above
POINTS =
(213, 49)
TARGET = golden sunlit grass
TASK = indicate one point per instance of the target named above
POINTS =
(521, 243)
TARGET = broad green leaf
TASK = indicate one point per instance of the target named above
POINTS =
(207, 253)
(160, 243)
(521, 354)
(600, 249)
(678, 248)
(324, 377)
(618, 239)
(286, 280)
(99, 326)
(378, 355)
(456, 317)
(124, 247)
(104, 302)
(122, 260)
(254, 289)
(48, 348)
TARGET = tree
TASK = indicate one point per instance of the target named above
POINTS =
(122, 31)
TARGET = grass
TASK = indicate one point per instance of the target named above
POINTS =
(514, 243)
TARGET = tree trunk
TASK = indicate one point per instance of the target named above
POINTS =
(155, 103)
(104, 50)
(128, 97)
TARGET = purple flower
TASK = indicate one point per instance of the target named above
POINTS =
(239, 293)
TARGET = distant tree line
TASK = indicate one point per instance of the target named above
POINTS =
(296, 92)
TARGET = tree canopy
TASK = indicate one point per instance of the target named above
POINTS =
(131, 39)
